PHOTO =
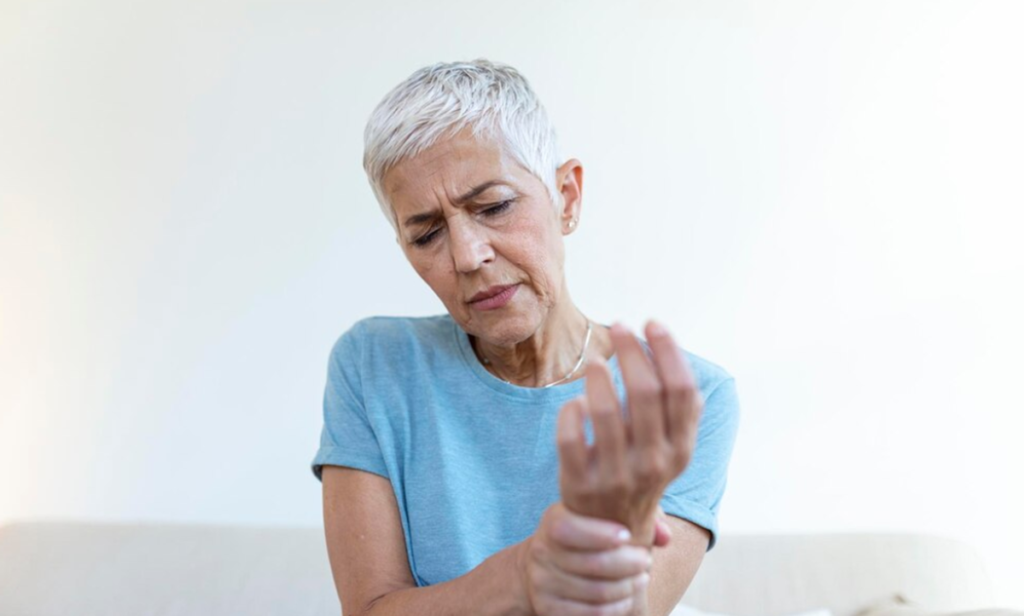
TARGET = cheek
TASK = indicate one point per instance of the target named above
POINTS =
(541, 258)
(439, 278)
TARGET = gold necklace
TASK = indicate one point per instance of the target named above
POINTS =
(579, 362)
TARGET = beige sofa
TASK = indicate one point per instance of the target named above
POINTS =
(85, 569)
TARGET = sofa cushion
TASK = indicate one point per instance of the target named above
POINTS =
(897, 605)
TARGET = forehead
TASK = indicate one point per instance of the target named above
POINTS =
(450, 168)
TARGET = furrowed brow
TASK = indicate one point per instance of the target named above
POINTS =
(419, 219)
(474, 192)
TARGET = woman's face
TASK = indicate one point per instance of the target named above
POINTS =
(470, 218)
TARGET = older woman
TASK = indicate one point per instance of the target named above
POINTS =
(511, 456)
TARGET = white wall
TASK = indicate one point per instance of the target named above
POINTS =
(823, 197)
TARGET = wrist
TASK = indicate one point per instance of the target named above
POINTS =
(644, 532)
(523, 604)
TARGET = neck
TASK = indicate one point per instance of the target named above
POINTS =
(546, 356)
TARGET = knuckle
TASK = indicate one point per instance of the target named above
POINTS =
(679, 390)
(679, 447)
(651, 469)
(648, 392)
(601, 563)
(641, 562)
(560, 530)
(588, 565)
(680, 457)
(602, 592)
(620, 590)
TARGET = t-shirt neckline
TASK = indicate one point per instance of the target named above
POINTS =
(565, 391)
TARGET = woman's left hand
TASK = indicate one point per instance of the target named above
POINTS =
(623, 475)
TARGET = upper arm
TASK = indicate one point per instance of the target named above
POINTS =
(365, 542)
(697, 492)
(676, 564)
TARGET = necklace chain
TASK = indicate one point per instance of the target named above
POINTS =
(579, 362)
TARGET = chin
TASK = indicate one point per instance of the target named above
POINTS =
(504, 328)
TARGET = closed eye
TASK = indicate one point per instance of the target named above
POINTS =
(491, 211)
(499, 208)
(427, 238)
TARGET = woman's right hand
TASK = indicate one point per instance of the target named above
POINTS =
(575, 565)
(622, 476)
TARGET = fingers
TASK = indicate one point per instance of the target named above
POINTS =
(682, 398)
(572, 443)
(663, 534)
(615, 564)
(593, 591)
(643, 394)
(563, 607)
(583, 533)
(622, 475)
(597, 573)
(602, 405)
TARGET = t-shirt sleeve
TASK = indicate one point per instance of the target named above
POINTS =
(695, 495)
(347, 437)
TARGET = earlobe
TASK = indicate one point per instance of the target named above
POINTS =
(571, 226)
(571, 188)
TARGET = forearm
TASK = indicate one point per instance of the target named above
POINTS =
(674, 566)
(660, 596)
(493, 588)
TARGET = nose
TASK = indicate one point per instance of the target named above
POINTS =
(469, 245)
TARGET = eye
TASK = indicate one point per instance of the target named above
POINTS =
(499, 208)
(494, 210)
(426, 239)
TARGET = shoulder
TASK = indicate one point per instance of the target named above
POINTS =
(709, 375)
(376, 337)
(718, 390)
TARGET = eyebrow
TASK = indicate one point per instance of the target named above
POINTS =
(418, 219)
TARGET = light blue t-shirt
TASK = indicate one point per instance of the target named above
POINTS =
(472, 459)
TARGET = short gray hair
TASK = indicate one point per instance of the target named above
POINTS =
(438, 101)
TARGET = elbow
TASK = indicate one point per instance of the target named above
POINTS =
(367, 608)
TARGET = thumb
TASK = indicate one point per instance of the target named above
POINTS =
(662, 531)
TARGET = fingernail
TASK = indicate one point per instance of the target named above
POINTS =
(624, 535)
(642, 580)
(657, 329)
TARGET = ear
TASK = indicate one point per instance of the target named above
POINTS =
(569, 179)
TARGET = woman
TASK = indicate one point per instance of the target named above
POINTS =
(459, 473)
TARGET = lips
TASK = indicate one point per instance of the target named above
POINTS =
(490, 292)
(500, 299)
